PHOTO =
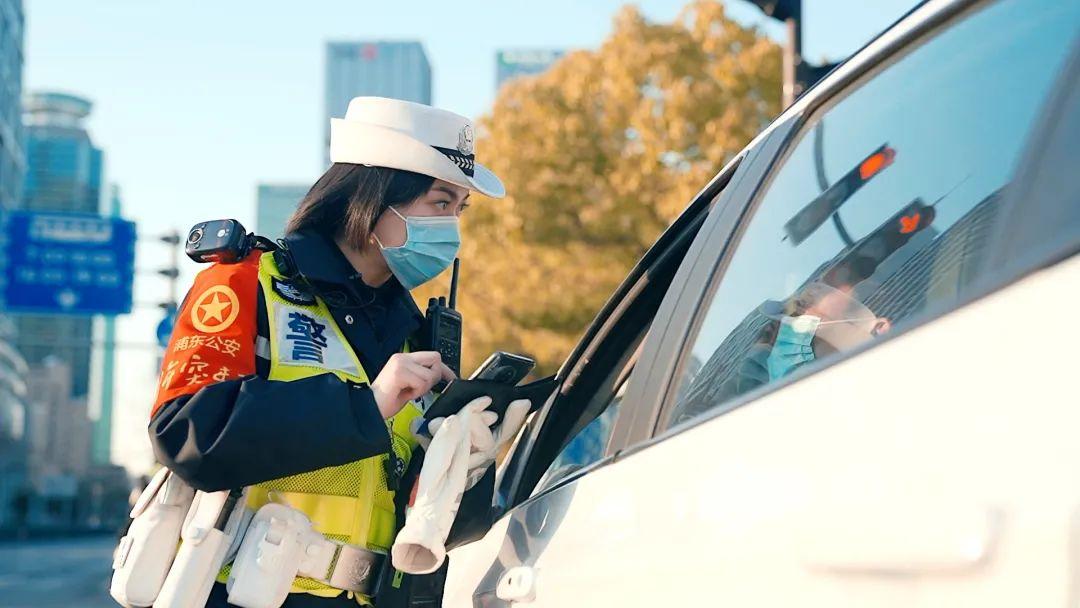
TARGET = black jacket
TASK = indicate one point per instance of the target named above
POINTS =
(248, 430)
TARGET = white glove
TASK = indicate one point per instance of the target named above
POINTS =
(420, 545)
(486, 443)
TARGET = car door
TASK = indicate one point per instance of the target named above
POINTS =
(867, 397)
(571, 438)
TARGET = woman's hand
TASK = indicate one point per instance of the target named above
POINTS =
(407, 376)
(486, 441)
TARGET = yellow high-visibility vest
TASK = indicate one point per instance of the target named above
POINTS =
(350, 502)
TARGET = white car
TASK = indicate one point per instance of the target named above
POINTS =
(847, 374)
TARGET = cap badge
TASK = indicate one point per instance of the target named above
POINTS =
(465, 140)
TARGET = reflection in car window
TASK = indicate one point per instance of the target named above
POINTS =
(586, 447)
(884, 206)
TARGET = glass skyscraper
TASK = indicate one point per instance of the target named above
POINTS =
(64, 169)
(64, 173)
(383, 69)
(523, 62)
(274, 205)
(12, 156)
(13, 368)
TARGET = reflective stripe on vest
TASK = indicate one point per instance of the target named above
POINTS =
(350, 502)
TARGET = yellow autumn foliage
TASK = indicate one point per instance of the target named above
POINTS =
(599, 154)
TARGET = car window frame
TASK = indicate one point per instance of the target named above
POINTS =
(692, 304)
(615, 324)
(1032, 213)
(509, 492)
(634, 429)
(618, 382)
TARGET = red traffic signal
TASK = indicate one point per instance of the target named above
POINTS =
(876, 162)
(814, 214)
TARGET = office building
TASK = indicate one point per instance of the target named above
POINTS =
(14, 474)
(58, 435)
(274, 204)
(383, 69)
(64, 169)
(13, 369)
(12, 156)
(102, 385)
(511, 63)
(64, 173)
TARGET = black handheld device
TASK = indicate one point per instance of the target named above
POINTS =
(460, 393)
(442, 326)
(223, 241)
(497, 378)
(504, 367)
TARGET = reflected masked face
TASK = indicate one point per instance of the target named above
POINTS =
(845, 322)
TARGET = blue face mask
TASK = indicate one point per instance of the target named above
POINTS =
(792, 347)
(431, 244)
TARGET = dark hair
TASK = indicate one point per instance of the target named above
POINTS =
(348, 199)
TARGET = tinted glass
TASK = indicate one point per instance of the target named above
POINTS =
(884, 207)
(586, 447)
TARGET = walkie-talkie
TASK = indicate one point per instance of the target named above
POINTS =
(442, 326)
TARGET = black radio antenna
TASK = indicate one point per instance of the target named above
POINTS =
(453, 283)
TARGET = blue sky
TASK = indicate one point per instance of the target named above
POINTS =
(197, 102)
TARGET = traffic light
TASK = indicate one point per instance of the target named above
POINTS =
(817, 211)
(858, 263)
(780, 9)
(799, 75)
(873, 164)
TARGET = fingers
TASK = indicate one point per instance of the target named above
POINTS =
(417, 378)
(482, 443)
(516, 413)
(406, 376)
(432, 360)
(480, 459)
(430, 375)
(477, 405)
(489, 418)
(412, 383)
(480, 434)
(445, 372)
(427, 358)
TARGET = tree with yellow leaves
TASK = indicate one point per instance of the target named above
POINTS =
(599, 154)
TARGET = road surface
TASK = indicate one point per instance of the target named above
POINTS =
(51, 573)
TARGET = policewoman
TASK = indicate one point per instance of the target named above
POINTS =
(291, 371)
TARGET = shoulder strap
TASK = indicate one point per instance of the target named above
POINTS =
(262, 335)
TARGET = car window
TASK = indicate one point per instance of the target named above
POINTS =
(586, 447)
(600, 365)
(579, 436)
(884, 207)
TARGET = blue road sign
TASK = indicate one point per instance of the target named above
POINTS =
(67, 263)
(165, 326)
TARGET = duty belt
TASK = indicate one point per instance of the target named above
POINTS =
(344, 566)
